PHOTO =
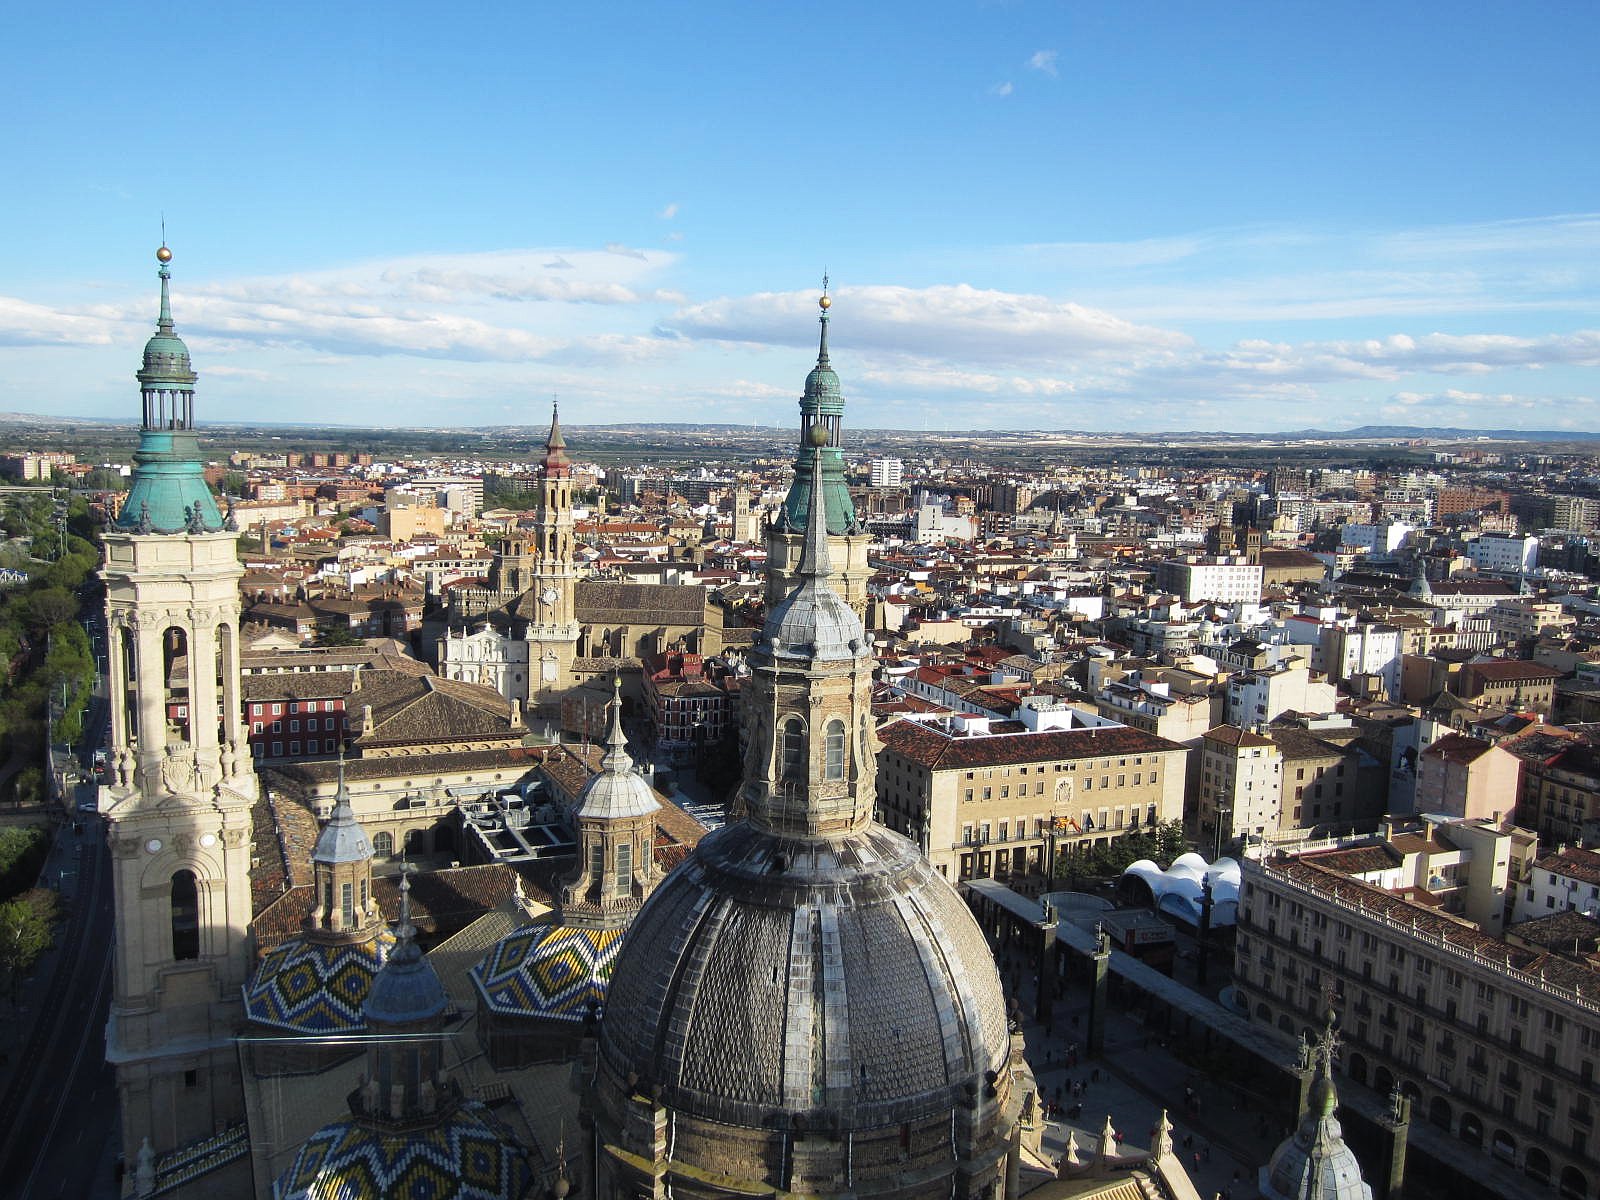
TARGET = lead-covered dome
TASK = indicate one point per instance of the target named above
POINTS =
(1314, 1163)
(842, 979)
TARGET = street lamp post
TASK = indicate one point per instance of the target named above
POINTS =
(1224, 832)
(1203, 949)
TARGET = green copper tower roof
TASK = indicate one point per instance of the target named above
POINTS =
(822, 405)
(168, 493)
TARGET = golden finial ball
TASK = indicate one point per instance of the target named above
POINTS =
(825, 303)
(163, 255)
(818, 435)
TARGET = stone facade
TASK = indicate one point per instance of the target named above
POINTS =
(177, 806)
(1494, 1043)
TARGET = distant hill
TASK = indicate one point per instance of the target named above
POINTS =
(17, 418)
(1362, 433)
(1430, 431)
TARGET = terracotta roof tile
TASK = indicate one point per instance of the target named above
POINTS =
(937, 750)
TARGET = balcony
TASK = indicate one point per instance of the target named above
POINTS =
(1580, 1116)
(1545, 1094)
(1445, 1048)
(1478, 1066)
(1512, 1083)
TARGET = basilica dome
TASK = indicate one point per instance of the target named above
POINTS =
(840, 978)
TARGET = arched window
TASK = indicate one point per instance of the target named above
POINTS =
(383, 845)
(185, 916)
(794, 749)
(833, 751)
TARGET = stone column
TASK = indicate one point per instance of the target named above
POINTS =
(1045, 1001)
(152, 697)
(232, 708)
(202, 686)
(1396, 1125)
(1099, 993)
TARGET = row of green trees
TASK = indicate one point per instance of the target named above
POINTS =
(45, 653)
(1160, 843)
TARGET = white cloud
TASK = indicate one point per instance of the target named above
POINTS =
(1068, 334)
(932, 378)
(945, 321)
(1043, 60)
(1276, 274)
(1002, 89)
(24, 323)
(669, 212)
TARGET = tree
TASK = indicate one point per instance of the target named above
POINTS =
(49, 606)
(336, 635)
(26, 925)
(22, 853)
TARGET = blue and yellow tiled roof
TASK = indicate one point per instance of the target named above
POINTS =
(310, 987)
(468, 1156)
(559, 972)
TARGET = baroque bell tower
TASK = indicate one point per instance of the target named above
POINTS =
(178, 807)
(552, 631)
(821, 407)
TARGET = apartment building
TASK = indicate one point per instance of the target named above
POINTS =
(1327, 783)
(1560, 789)
(1266, 694)
(1495, 1043)
(1566, 881)
(1505, 555)
(1463, 776)
(1220, 579)
(1240, 787)
(989, 799)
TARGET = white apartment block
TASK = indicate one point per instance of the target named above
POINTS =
(1507, 555)
(1364, 649)
(1566, 881)
(1379, 540)
(1224, 579)
(886, 472)
(1256, 696)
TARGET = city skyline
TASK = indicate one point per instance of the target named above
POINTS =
(1035, 217)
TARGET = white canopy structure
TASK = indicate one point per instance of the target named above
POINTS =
(1177, 889)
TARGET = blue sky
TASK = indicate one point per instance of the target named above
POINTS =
(1036, 215)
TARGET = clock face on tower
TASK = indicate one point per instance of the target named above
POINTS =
(548, 596)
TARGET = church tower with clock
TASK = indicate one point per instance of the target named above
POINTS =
(178, 803)
(551, 602)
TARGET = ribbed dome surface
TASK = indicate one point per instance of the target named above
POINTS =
(166, 357)
(839, 978)
(811, 622)
(822, 382)
(1314, 1163)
